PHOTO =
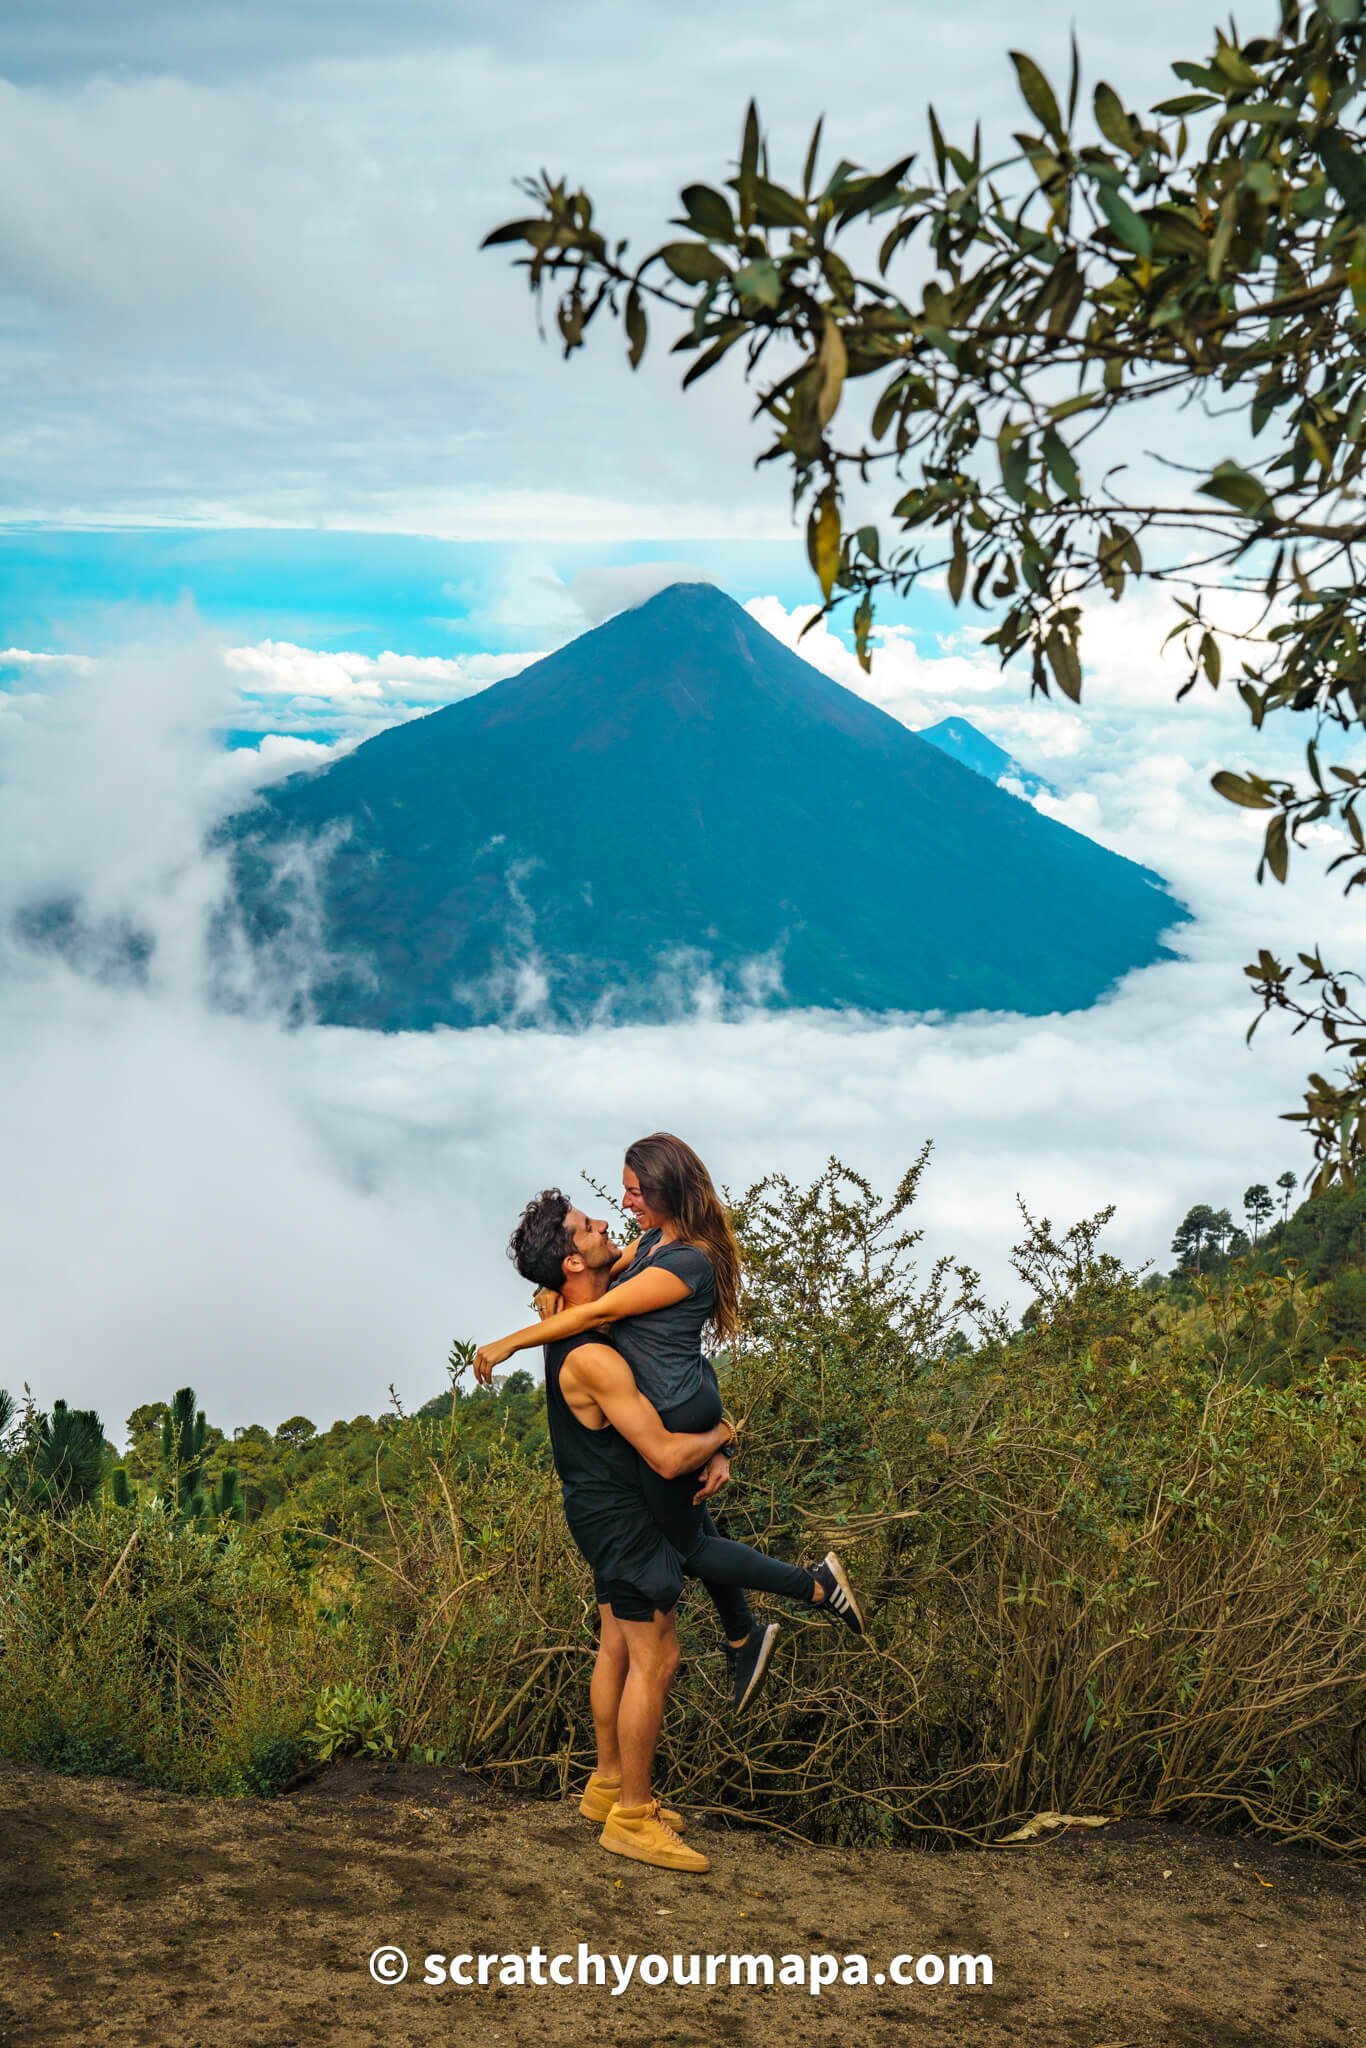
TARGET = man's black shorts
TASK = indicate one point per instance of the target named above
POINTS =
(626, 1601)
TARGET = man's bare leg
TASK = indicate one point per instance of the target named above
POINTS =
(652, 1647)
(635, 1826)
(609, 1682)
(603, 1789)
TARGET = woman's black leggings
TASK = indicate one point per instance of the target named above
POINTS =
(726, 1569)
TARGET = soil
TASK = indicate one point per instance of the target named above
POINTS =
(130, 1916)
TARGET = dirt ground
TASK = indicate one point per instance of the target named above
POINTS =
(137, 1917)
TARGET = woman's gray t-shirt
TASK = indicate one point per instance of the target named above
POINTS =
(664, 1348)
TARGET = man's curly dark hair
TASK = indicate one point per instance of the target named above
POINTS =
(540, 1244)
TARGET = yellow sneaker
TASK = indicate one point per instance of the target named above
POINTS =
(639, 1832)
(600, 1796)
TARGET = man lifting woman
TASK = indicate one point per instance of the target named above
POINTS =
(640, 1443)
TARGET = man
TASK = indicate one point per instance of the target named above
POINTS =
(598, 1421)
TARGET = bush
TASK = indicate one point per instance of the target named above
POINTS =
(160, 1652)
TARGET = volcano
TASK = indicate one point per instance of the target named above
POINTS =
(676, 804)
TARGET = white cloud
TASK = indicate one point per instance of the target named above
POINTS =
(298, 686)
(292, 1218)
(25, 658)
(600, 593)
(240, 246)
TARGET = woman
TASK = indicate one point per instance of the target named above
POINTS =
(679, 1279)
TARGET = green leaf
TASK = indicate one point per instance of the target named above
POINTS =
(1346, 172)
(886, 409)
(511, 231)
(1038, 94)
(1061, 463)
(776, 208)
(1112, 121)
(1065, 662)
(636, 328)
(749, 164)
(1237, 789)
(709, 212)
(712, 355)
(1231, 62)
(863, 620)
(823, 539)
(760, 281)
(1238, 488)
(958, 566)
(871, 195)
(1074, 81)
(937, 141)
(1083, 402)
(1277, 850)
(808, 176)
(1014, 458)
(1177, 234)
(1202, 75)
(694, 263)
(1132, 232)
(834, 362)
(1186, 103)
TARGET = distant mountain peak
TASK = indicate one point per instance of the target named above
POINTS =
(960, 739)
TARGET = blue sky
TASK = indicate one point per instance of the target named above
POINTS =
(66, 590)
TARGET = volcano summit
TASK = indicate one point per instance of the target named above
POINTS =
(676, 798)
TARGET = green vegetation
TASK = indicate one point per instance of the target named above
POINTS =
(1115, 1554)
(1008, 305)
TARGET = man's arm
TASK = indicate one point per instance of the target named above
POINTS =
(603, 1374)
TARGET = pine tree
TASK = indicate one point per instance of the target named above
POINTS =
(1287, 1183)
(1199, 1227)
(1259, 1207)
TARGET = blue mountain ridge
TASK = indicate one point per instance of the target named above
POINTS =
(961, 741)
(674, 797)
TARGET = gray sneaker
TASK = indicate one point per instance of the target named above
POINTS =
(748, 1663)
(839, 1603)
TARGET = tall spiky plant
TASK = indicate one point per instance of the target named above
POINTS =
(60, 1461)
(183, 1431)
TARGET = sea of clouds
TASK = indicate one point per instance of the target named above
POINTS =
(292, 1219)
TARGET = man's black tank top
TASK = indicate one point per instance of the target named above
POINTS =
(592, 1463)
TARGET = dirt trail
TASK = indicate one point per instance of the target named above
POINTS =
(137, 1917)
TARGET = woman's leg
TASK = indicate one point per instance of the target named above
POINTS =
(733, 1611)
(671, 1504)
(719, 1562)
(725, 1568)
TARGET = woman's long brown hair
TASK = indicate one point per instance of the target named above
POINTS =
(676, 1184)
